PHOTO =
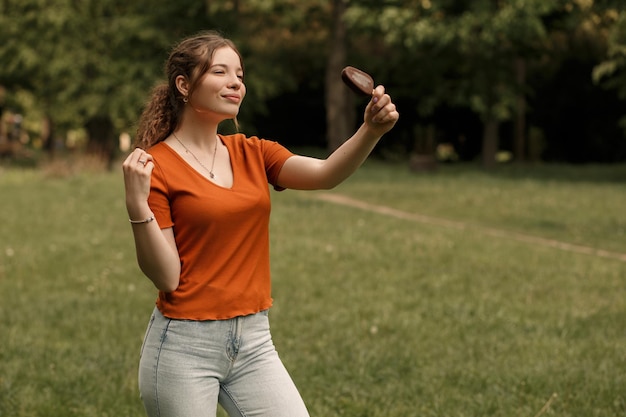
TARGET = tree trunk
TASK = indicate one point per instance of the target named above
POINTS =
(340, 114)
(519, 139)
(47, 135)
(2, 132)
(490, 142)
(102, 141)
(423, 154)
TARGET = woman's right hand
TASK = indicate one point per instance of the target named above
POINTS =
(137, 169)
(157, 255)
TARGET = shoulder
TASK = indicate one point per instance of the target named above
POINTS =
(166, 161)
(250, 142)
(159, 149)
(163, 154)
(241, 139)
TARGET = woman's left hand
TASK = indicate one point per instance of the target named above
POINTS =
(380, 114)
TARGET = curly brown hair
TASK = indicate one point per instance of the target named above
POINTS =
(190, 58)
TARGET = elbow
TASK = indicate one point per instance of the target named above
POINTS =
(163, 282)
(166, 286)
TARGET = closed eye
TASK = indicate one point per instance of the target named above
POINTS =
(221, 69)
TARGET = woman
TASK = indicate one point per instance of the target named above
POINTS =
(199, 207)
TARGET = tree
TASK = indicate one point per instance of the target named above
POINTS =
(611, 72)
(340, 114)
(90, 63)
(579, 118)
(473, 54)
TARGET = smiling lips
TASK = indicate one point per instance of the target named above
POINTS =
(235, 98)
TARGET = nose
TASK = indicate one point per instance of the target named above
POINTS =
(235, 82)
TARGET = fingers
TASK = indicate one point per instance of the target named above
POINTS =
(381, 109)
(138, 160)
(378, 93)
(137, 167)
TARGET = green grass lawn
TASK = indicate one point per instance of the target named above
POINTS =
(374, 315)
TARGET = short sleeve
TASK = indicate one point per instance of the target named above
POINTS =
(275, 155)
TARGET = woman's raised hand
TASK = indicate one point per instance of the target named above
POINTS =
(137, 169)
(380, 114)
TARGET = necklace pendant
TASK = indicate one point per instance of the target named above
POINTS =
(211, 175)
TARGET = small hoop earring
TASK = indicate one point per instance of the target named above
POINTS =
(185, 99)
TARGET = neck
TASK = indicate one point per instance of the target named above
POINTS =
(203, 140)
(198, 132)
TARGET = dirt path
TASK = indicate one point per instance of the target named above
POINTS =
(459, 225)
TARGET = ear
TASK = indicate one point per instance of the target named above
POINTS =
(183, 85)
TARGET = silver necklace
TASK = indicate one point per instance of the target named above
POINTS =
(210, 171)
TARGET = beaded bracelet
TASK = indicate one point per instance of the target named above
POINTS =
(148, 220)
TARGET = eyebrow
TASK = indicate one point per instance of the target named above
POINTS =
(224, 66)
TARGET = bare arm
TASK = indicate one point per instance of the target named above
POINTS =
(157, 254)
(305, 173)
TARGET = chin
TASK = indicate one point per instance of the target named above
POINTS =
(220, 113)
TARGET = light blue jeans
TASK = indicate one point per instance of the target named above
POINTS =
(187, 367)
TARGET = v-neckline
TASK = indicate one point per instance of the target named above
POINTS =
(206, 177)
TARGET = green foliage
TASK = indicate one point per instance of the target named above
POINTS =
(611, 73)
(101, 58)
(98, 59)
(475, 43)
(83, 55)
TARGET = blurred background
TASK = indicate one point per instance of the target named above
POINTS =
(489, 81)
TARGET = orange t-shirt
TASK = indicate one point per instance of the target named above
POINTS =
(222, 234)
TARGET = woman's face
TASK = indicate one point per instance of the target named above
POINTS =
(221, 90)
